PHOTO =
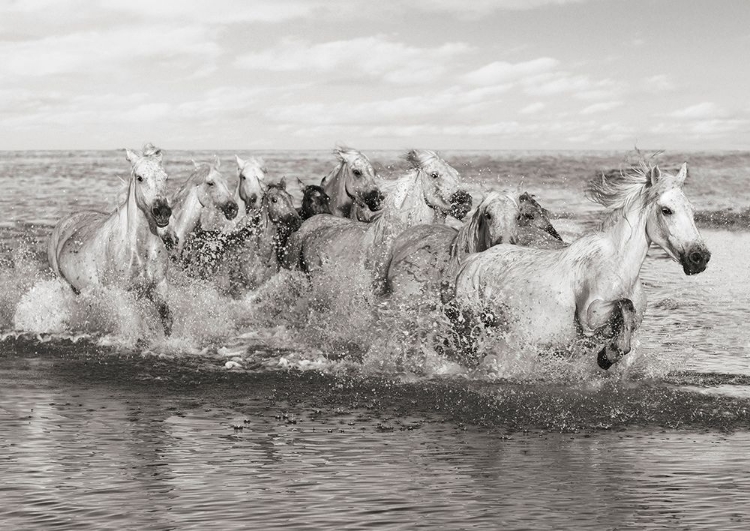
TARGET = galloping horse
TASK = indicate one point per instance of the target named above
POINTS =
(592, 288)
(122, 249)
(250, 175)
(424, 195)
(351, 182)
(251, 254)
(205, 188)
(423, 256)
(314, 201)
(535, 228)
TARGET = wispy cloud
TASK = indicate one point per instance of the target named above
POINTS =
(601, 107)
(532, 108)
(96, 52)
(373, 57)
(501, 72)
(707, 109)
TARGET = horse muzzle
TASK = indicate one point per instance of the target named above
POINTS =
(161, 213)
(695, 259)
(251, 203)
(230, 209)
(460, 203)
(373, 199)
(289, 223)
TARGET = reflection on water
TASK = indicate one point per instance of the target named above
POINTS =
(77, 456)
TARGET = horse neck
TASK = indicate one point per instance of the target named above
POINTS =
(131, 221)
(241, 206)
(413, 208)
(465, 241)
(334, 185)
(187, 213)
(402, 210)
(627, 234)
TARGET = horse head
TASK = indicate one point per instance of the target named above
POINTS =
(533, 215)
(150, 181)
(495, 221)
(251, 173)
(360, 182)
(213, 190)
(440, 182)
(279, 206)
(670, 223)
(314, 200)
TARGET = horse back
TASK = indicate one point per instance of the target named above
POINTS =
(70, 234)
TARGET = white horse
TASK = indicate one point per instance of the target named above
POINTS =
(206, 188)
(251, 174)
(424, 195)
(351, 182)
(121, 249)
(424, 256)
(592, 288)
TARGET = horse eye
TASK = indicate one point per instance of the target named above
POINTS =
(274, 200)
(435, 175)
(488, 215)
(666, 211)
(210, 183)
(358, 173)
(243, 177)
(140, 179)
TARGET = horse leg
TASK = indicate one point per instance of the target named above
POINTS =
(157, 295)
(622, 323)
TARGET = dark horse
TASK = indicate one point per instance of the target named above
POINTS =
(314, 201)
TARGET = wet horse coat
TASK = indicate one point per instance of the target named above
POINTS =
(425, 195)
(351, 182)
(206, 188)
(592, 287)
(424, 256)
(122, 249)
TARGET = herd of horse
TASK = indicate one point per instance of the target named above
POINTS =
(506, 267)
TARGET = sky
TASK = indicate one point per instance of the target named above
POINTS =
(375, 74)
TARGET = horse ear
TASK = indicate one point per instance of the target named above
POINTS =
(240, 162)
(301, 184)
(412, 158)
(217, 161)
(282, 183)
(195, 164)
(682, 175)
(132, 156)
(654, 175)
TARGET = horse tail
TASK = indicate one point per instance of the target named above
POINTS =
(52, 246)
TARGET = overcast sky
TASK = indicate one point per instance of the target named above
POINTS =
(443, 74)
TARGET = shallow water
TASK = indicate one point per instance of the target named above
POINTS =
(354, 420)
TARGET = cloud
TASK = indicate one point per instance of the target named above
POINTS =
(707, 109)
(659, 83)
(532, 108)
(478, 8)
(504, 72)
(95, 52)
(601, 107)
(375, 57)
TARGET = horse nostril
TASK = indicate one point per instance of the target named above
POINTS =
(696, 258)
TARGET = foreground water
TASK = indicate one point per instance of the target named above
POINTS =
(338, 415)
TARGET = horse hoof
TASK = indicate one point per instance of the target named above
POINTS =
(602, 360)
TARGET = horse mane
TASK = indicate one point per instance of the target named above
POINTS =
(472, 237)
(418, 158)
(150, 150)
(620, 190)
(199, 173)
(345, 153)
